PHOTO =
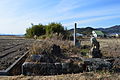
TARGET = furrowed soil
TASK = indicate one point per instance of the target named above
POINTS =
(11, 49)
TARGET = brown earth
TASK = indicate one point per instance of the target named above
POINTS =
(11, 49)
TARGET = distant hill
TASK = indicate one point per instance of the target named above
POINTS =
(85, 31)
(11, 34)
(88, 30)
(113, 29)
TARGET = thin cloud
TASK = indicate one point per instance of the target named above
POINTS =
(92, 20)
(68, 5)
(86, 14)
(19, 14)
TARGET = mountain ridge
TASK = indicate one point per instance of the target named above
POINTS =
(113, 29)
(88, 30)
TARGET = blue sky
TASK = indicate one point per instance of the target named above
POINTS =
(17, 15)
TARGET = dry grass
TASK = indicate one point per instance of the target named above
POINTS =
(66, 46)
(45, 47)
(80, 76)
(108, 47)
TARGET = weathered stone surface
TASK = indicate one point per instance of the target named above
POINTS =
(42, 58)
(65, 67)
(96, 53)
(95, 50)
(76, 68)
(116, 65)
(32, 68)
(35, 57)
(29, 68)
(55, 49)
(91, 64)
(58, 67)
(97, 64)
(48, 55)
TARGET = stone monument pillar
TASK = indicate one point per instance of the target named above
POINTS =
(95, 48)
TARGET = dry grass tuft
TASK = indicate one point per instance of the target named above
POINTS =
(80, 76)
(110, 47)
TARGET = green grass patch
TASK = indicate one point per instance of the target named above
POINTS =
(84, 50)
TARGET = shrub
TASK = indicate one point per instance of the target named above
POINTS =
(37, 30)
(54, 28)
(46, 31)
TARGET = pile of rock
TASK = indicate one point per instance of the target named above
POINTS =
(49, 62)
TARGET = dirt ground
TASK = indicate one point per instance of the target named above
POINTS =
(11, 48)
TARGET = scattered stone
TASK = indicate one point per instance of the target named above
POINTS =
(17, 57)
(93, 64)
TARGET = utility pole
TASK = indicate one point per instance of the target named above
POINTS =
(75, 34)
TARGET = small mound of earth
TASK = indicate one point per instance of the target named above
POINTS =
(52, 51)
